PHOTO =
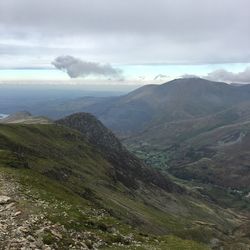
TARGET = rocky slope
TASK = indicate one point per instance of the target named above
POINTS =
(23, 228)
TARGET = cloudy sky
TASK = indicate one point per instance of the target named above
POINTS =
(132, 40)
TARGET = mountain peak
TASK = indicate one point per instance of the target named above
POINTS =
(195, 81)
(94, 131)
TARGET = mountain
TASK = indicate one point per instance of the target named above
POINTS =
(160, 123)
(71, 184)
(209, 148)
(151, 105)
(177, 100)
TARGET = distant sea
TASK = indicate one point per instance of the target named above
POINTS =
(3, 116)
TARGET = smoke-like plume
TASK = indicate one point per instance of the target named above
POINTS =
(78, 68)
(160, 77)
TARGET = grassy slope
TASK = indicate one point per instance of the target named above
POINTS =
(157, 143)
(48, 150)
(212, 149)
(220, 156)
(216, 159)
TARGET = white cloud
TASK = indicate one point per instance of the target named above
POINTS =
(189, 76)
(227, 76)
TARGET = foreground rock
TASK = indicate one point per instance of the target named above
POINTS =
(27, 230)
(4, 199)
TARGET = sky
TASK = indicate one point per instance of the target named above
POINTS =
(132, 41)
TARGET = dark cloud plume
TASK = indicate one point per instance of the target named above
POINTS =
(160, 77)
(78, 68)
(227, 76)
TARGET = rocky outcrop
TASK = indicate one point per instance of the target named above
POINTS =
(127, 168)
(4, 200)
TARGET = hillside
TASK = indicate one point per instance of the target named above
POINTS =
(216, 146)
(171, 134)
(219, 156)
(178, 100)
(49, 170)
(151, 105)
(210, 150)
(128, 168)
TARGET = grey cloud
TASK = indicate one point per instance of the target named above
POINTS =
(134, 31)
(154, 16)
(78, 68)
(227, 76)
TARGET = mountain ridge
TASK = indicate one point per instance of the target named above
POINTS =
(176, 100)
